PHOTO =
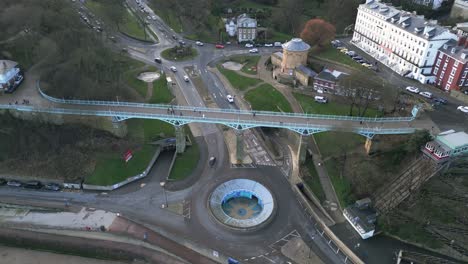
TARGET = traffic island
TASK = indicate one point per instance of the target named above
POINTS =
(179, 53)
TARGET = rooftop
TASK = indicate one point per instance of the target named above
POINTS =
(411, 22)
(279, 54)
(296, 44)
(363, 217)
(454, 140)
(6, 65)
(330, 75)
(307, 71)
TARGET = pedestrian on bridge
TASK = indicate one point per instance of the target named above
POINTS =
(253, 114)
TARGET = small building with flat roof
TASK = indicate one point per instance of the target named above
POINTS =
(446, 145)
(10, 76)
(362, 217)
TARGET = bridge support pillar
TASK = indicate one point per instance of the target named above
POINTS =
(180, 139)
(239, 145)
(302, 152)
(368, 146)
(119, 128)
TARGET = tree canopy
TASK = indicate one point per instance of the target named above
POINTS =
(318, 32)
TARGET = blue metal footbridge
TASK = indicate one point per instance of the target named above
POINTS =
(304, 124)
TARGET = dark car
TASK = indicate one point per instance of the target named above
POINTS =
(357, 58)
(2, 181)
(33, 185)
(52, 186)
(212, 161)
(440, 100)
(14, 183)
(157, 60)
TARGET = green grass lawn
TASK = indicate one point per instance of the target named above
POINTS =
(186, 162)
(111, 168)
(148, 130)
(238, 81)
(333, 54)
(313, 181)
(131, 79)
(267, 98)
(331, 108)
(168, 54)
(132, 26)
(341, 184)
(333, 143)
(250, 63)
(161, 93)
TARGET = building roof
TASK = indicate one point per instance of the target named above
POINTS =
(307, 71)
(410, 22)
(454, 140)
(245, 21)
(6, 65)
(296, 44)
(363, 217)
(458, 52)
(278, 54)
(330, 75)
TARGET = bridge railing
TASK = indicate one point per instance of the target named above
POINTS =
(189, 119)
(221, 110)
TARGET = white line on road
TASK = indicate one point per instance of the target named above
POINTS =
(272, 261)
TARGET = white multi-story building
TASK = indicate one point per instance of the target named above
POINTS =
(404, 41)
(433, 4)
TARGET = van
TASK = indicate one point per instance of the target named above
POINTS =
(321, 99)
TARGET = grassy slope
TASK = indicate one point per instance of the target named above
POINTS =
(267, 98)
(161, 93)
(238, 81)
(314, 182)
(249, 61)
(186, 162)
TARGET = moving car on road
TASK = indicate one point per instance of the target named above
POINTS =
(157, 60)
(14, 183)
(173, 68)
(412, 89)
(230, 98)
(426, 94)
(253, 50)
(219, 46)
(212, 161)
(464, 109)
(186, 78)
(199, 43)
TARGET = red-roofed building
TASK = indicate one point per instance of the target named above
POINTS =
(451, 67)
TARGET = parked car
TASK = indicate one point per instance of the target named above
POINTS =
(219, 46)
(173, 69)
(33, 185)
(440, 100)
(268, 45)
(277, 44)
(412, 89)
(52, 186)
(186, 78)
(465, 92)
(321, 99)
(153, 17)
(228, 43)
(357, 58)
(212, 161)
(351, 53)
(14, 183)
(336, 43)
(464, 109)
(258, 45)
(426, 94)
(230, 98)
(3, 181)
(367, 65)
(199, 43)
(158, 60)
(344, 50)
(248, 45)
(253, 50)
(341, 48)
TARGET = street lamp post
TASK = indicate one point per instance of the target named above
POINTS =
(163, 183)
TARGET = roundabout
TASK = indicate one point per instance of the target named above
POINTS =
(242, 204)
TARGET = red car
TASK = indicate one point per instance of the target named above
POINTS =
(219, 46)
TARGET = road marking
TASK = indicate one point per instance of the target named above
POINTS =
(272, 261)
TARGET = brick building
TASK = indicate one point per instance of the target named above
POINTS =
(451, 67)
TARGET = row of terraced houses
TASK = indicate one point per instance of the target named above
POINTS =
(412, 46)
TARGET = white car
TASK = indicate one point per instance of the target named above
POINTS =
(268, 45)
(230, 98)
(426, 94)
(186, 78)
(153, 17)
(173, 68)
(464, 109)
(199, 43)
(248, 45)
(253, 50)
(412, 89)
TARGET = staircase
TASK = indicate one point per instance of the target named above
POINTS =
(405, 184)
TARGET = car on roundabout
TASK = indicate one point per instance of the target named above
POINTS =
(464, 109)
(412, 89)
